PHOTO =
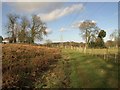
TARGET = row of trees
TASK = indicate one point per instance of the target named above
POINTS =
(24, 30)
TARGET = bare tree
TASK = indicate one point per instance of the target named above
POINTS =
(38, 28)
(115, 37)
(25, 30)
(12, 26)
(89, 30)
(24, 25)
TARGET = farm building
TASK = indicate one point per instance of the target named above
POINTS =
(6, 40)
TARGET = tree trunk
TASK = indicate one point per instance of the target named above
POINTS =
(32, 35)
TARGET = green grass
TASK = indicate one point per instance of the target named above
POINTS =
(78, 70)
(90, 72)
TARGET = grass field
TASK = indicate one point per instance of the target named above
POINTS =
(91, 72)
(77, 70)
(71, 70)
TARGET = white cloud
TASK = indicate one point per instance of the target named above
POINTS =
(60, 0)
(32, 7)
(65, 29)
(76, 25)
(58, 13)
(62, 29)
(34, 1)
(49, 30)
(48, 11)
(27, 6)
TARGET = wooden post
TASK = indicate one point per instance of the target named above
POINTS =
(115, 58)
(107, 52)
(85, 49)
(92, 51)
(65, 47)
(104, 56)
(74, 47)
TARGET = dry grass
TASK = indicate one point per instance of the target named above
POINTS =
(22, 64)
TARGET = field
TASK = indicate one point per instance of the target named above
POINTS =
(77, 70)
(43, 67)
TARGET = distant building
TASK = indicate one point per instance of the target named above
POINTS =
(6, 40)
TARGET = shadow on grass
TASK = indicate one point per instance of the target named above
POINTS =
(91, 72)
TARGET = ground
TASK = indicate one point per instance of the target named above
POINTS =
(77, 70)
(43, 67)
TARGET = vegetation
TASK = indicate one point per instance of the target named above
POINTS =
(115, 37)
(24, 64)
(24, 30)
(77, 70)
(65, 44)
(92, 34)
(37, 66)
(99, 42)
(1, 38)
(29, 66)
(89, 31)
(22, 34)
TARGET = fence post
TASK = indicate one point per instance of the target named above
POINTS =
(65, 47)
(77, 48)
(115, 58)
(107, 52)
(92, 51)
(85, 50)
(104, 56)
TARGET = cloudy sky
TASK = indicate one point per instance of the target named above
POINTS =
(62, 18)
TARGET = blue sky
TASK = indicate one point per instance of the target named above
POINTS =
(61, 17)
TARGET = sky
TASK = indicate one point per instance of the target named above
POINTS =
(62, 18)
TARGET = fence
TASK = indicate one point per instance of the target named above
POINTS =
(110, 54)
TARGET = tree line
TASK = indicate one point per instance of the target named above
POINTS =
(24, 30)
